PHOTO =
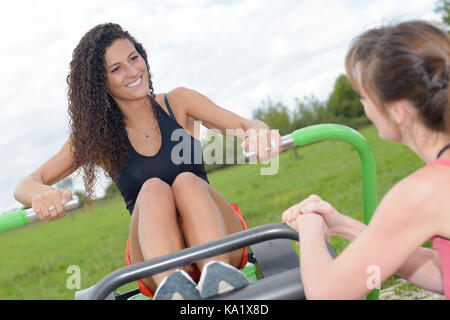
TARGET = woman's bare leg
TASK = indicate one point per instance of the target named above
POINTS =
(154, 227)
(206, 215)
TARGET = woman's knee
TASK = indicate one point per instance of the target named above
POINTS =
(154, 187)
(186, 181)
(154, 191)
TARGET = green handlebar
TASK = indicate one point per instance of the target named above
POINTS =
(20, 218)
(321, 132)
(13, 220)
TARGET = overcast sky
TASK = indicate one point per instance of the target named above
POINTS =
(237, 52)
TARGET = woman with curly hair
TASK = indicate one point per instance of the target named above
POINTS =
(120, 125)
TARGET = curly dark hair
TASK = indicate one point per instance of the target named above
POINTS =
(97, 128)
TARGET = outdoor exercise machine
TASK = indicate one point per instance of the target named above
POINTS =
(270, 245)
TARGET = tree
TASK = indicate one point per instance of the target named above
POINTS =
(309, 111)
(111, 190)
(344, 102)
(220, 151)
(276, 116)
(443, 7)
(66, 183)
(81, 196)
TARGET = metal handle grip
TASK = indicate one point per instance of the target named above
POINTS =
(286, 143)
(21, 218)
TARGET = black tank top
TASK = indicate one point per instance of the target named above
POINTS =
(140, 168)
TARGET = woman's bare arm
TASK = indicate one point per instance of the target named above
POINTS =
(40, 181)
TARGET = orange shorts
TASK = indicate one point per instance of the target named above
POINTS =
(194, 271)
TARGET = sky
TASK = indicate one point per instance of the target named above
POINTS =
(236, 52)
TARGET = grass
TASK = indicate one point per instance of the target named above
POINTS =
(35, 258)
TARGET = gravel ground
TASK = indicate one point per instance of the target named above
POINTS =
(396, 292)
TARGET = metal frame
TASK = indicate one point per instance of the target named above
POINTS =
(188, 256)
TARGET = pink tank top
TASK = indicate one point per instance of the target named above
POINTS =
(442, 245)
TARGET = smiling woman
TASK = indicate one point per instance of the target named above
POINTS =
(90, 102)
(128, 78)
(118, 123)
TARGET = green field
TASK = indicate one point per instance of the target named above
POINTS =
(35, 258)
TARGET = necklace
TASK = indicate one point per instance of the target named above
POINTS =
(146, 133)
(443, 150)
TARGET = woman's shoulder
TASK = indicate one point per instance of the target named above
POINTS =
(432, 179)
(177, 98)
(439, 201)
(418, 202)
(180, 91)
(425, 183)
(424, 191)
(176, 92)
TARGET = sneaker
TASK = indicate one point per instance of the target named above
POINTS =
(177, 286)
(218, 277)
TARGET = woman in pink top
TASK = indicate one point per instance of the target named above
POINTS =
(401, 73)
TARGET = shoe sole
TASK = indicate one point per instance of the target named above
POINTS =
(177, 286)
(218, 278)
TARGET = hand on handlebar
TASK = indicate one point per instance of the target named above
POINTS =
(49, 206)
(265, 143)
(314, 204)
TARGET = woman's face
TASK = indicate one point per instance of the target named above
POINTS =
(127, 75)
(387, 128)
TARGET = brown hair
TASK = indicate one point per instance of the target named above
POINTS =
(408, 61)
(96, 123)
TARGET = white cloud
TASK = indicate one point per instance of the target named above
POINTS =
(235, 52)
